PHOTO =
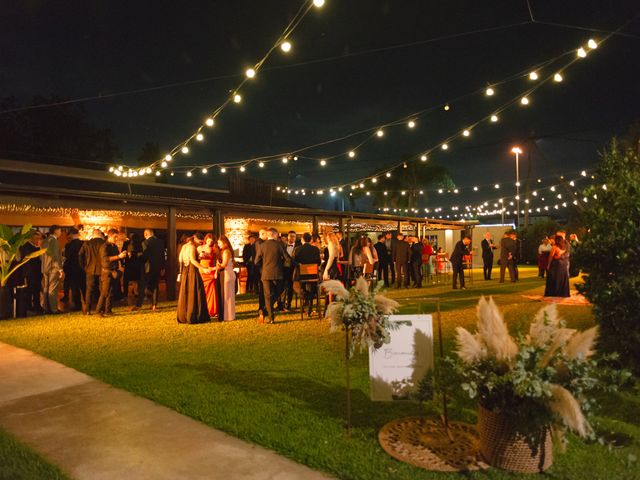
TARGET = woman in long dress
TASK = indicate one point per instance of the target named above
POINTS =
(331, 254)
(207, 253)
(192, 300)
(226, 280)
(360, 256)
(558, 270)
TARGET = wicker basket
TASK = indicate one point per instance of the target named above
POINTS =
(502, 446)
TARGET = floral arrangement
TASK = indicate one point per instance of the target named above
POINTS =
(542, 379)
(365, 313)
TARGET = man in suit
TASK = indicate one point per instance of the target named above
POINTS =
(388, 242)
(271, 256)
(33, 272)
(90, 261)
(73, 272)
(400, 255)
(457, 261)
(248, 254)
(152, 261)
(487, 255)
(109, 272)
(285, 302)
(52, 272)
(416, 262)
(306, 254)
(262, 237)
(507, 256)
(384, 260)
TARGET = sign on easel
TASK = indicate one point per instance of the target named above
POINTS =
(396, 368)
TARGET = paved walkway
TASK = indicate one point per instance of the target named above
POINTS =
(94, 431)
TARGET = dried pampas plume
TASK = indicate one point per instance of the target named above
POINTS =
(470, 347)
(566, 406)
(385, 305)
(362, 286)
(559, 339)
(336, 288)
(581, 344)
(544, 325)
(493, 331)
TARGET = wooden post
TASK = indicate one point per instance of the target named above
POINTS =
(399, 227)
(314, 222)
(340, 224)
(218, 223)
(172, 257)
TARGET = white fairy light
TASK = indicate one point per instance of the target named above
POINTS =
(204, 170)
(189, 174)
(243, 169)
(351, 154)
(557, 77)
(581, 52)
(199, 137)
(466, 133)
(323, 163)
(592, 44)
(444, 146)
(250, 73)
(533, 76)
(237, 98)
(261, 164)
(423, 158)
(411, 124)
(209, 122)
(164, 164)
(494, 118)
(168, 158)
(185, 150)
(524, 101)
(318, 3)
(380, 132)
(489, 92)
(285, 46)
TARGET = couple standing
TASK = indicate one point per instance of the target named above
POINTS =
(270, 261)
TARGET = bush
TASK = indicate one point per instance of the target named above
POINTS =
(609, 254)
(531, 237)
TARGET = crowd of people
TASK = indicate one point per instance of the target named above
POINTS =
(93, 273)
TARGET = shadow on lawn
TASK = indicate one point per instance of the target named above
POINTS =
(325, 399)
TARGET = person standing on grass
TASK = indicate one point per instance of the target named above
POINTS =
(271, 255)
(52, 272)
(487, 255)
(72, 270)
(33, 272)
(508, 248)
(401, 255)
(226, 281)
(152, 261)
(110, 272)
(92, 265)
(457, 261)
(416, 262)
(192, 300)
(257, 271)
(543, 256)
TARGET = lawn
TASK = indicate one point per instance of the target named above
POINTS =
(282, 385)
(18, 462)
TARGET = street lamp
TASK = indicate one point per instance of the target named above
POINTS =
(518, 152)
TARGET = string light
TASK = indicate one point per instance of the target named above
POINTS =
(285, 160)
(261, 164)
(237, 98)
(188, 173)
(592, 44)
(352, 154)
(323, 163)
(204, 170)
(411, 124)
(581, 52)
(446, 107)
(318, 3)
(388, 174)
(533, 76)
(199, 137)
(168, 158)
(285, 46)
(524, 100)
(489, 92)
(223, 170)
(209, 122)
(444, 146)
(250, 73)
(164, 164)
(380, 132)
(557, 78)
(494, 118)
(423, 158)
(466, 133)
(185, 150)
(243, 169)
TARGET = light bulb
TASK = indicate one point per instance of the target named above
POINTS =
(250, 73)
(323, 163)
(237, 98)
(188, 174)
(380, 133)
(157, 174)
(445, 146)
(185, 149)
(204, 170)
(489, 92)
(285, 46)
(111, 169)
(285, 159)
(497, 185)
(524, 101)
(557, 77)
(223, 170)
(446, 107)
(199, 137)
(148, 170)
(242, 169)
(164, 164)
(475, 189)
(374, 180)
(318, 3)
(361, 185)
(120, 168)
(352, 154)
(209, 122)
(388, 174)
(494, 118)
(411, 124)
(533, 76)
(581, 52)
(261, 164)
(592, 44)
(423, 158)
(466, 133)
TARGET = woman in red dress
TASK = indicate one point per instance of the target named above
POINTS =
(208, 255)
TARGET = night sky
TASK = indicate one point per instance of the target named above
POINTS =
(79, 49)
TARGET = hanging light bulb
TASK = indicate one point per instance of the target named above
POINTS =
(557, 77)
(185, 149)
(318, 3)
(494, 118)
(388, 174)
(237, 98)
(199, 137)
(489, 92)
(111, 169)
(592, 44)
(466, 133)
(524, 101)
(423, 158)
(581, 52)
(209, 122)
(243, 169)
(250, 73)
(475, 189)
(164, 164)
(444, 146)
(168, 158)
(285, 46)
(411, 124)
(496, 186)
(352, 154)
(204, 170)
(157, 173)
(380, 132)
(285, 160)
(188, 174)
(223, 170)
(533, 75)
(261, 164)
(323, 163)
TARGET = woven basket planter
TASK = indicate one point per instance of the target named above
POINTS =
(502, 446)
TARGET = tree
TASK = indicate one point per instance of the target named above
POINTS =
(60, 134)
(610, 252)
(531, 237)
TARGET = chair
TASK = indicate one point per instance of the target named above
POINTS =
(309, 274)
(467, 265)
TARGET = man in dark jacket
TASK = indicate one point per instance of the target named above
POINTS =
(508, 254)
(487, 255)
(152, 262)
(306, 254)
(271, 256)
(400, 255)
(73, 271)
(457, 261)
(384, 259)
(90, 261)
(262, 237)
(32, 272)
(109, 272)
(248, 255)
(416, 262)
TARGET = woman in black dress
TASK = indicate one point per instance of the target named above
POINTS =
(558, 270)
(132, 264)
(192, 299)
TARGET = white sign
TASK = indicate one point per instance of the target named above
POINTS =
(396, 368)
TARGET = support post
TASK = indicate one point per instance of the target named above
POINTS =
(399, 226)
(340, 224)
(218, 223)
(314, 223)
(172, 257)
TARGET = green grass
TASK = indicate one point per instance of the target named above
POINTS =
(18, 462)
(282, 385)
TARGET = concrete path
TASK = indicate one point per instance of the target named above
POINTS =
(94, 431)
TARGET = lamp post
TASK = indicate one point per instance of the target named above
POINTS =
(518, 152)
